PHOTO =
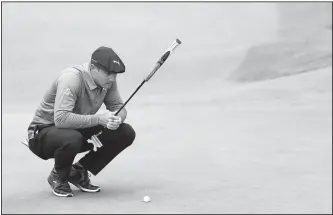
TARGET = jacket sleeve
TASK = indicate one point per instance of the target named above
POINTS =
(68, 89)
(113, 102)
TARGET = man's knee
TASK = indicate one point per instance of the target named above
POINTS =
(128, 133)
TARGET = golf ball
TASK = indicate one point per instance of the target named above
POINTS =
(146, 199)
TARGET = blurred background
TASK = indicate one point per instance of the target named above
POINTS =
(222, 41)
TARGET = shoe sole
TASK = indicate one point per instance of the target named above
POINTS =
(63, 195)
(86, 190)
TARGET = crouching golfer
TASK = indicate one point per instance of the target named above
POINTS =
(67, 118)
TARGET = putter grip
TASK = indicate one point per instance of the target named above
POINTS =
(157, 66)
(164, 58)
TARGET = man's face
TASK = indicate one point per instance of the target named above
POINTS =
(101, 77)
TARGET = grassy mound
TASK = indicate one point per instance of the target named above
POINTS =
(303, 43)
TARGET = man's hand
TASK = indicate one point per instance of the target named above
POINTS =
(105, 117)
(109, 120)
(114, 122)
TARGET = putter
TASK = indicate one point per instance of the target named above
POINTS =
(159, 63)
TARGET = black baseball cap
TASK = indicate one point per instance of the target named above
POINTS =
(105, 58)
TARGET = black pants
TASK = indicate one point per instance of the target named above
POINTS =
(64, 144)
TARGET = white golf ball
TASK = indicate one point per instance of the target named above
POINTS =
(146, 199)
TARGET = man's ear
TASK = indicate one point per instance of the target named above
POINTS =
(92, 66)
